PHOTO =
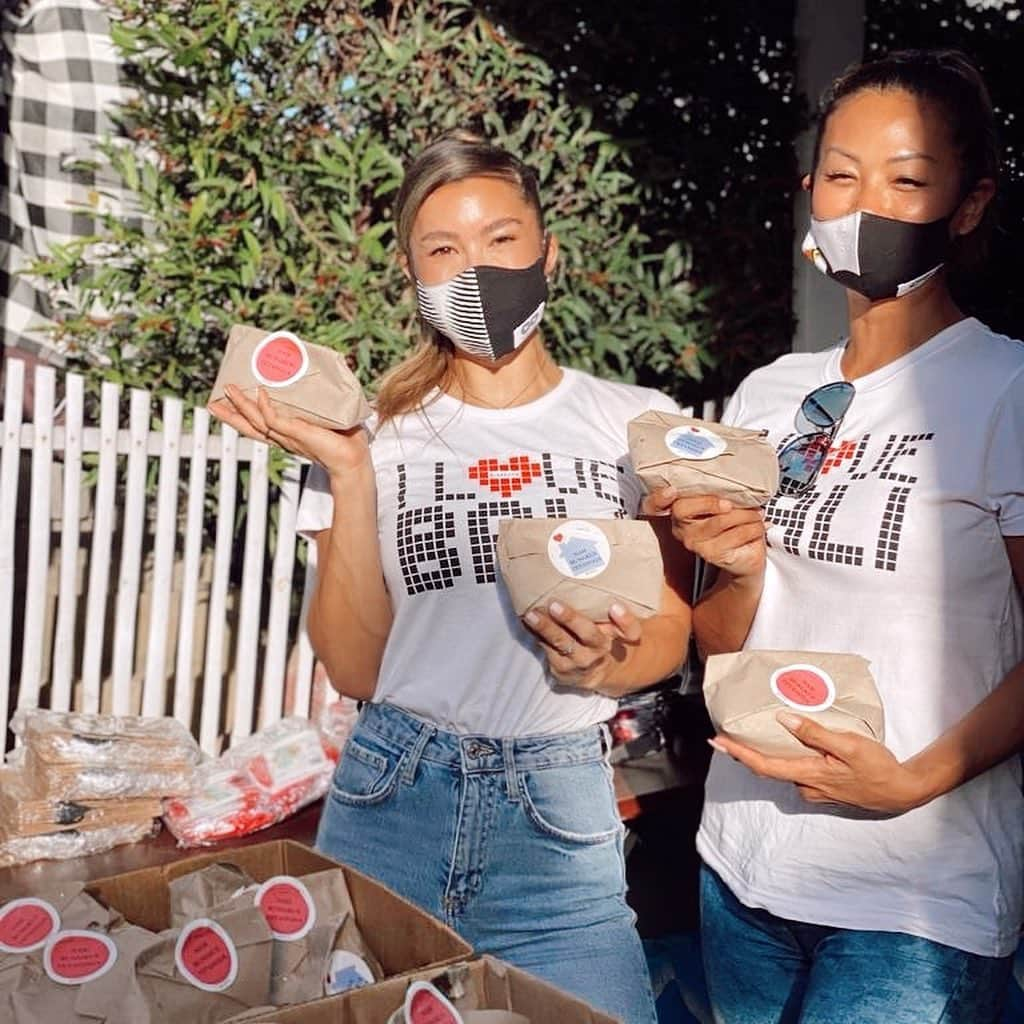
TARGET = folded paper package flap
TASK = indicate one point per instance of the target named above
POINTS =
(839, 717)
(696, 456)
(321, 388)
(519, 538)
(744, 692)
(586, 563)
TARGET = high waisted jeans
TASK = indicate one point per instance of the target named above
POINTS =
(514, 843)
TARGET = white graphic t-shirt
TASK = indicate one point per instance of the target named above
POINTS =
(457, 653)
(897, 554)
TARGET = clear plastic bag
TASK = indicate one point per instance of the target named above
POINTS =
(65, 845)
(261, 781)
(71, 737)
(22, 813)
(72, 756)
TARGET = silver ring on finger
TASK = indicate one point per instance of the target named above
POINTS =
(566, 652)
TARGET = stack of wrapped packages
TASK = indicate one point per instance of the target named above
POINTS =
(83, 783)
(232, 945)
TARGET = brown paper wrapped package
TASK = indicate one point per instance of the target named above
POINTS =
(297, 966)
(170, 996)
(742, 704)
(634, 574)
(327, 394)
(746, 472)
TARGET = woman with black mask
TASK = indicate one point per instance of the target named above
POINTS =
(864, 882)
(476, 782)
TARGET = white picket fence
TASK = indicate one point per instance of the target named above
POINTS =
(74, 651)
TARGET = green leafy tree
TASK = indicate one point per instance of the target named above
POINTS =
(269, 139)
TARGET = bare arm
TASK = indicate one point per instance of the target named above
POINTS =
(857, 771)
(732, 543)
(350, 611)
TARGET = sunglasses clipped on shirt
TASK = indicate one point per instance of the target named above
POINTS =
(818, 419)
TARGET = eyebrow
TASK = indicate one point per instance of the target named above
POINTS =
(898, 158)
(494, 225)
(911, 156)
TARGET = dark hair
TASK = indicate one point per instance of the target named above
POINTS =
(950, 81)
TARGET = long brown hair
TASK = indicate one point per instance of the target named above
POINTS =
(452, 157)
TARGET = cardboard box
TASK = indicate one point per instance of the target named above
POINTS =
(488, 984)
(401, 936)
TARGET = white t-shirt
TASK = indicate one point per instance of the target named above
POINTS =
(457, 654)
(897, 554)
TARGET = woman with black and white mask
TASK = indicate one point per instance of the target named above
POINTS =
(476, 782)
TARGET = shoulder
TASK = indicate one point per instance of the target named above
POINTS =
(622, 398)
(793, 367)
(990, 353)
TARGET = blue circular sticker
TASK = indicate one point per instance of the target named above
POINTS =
(692, 442)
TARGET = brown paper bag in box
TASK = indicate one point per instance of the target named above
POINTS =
(233, 983)
(115, 998)
(300, 962)
(213, 890)
(698, 457)
(305, 380)
(585, 563)
(745, 691)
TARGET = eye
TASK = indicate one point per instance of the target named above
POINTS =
(910, 182)
(838, 176)
(499, 239)
(442, 250)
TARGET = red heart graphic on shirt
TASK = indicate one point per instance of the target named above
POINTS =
(506, 477)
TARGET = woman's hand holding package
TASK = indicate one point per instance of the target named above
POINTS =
(582, 652)
(712, 528)
(340, 452)
(850, 769)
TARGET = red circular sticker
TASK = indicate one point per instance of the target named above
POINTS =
(279, 359)
(206, 956)
(804, 687)
(26, 924)
(287, 906)
(74, 957)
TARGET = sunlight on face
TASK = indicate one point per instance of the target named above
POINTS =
(889, 153)
(478, 221)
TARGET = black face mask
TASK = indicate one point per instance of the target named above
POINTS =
(878, 257)
(486, 311)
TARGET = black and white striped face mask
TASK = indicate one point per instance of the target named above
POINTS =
(486, 311)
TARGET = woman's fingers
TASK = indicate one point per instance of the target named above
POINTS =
(566, 632)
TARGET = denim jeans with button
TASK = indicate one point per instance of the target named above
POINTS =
(763, 969)
(514, 843)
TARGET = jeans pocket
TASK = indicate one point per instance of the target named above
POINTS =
(574, 803)
(365, 775)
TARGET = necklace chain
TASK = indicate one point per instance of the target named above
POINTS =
(466, 393)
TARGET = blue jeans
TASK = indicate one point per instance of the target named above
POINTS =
(514, 843)
(763, 969)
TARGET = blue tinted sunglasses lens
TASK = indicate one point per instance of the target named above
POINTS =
(824, 407)
(800, 462)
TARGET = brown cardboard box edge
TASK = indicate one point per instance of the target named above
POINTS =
(499, 985)
(418, 943)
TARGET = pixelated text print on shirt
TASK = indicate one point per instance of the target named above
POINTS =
(806, 520)
(447, 523)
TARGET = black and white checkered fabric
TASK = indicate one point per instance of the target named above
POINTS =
(61, 79)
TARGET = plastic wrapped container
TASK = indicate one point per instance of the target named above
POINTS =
(257, 783)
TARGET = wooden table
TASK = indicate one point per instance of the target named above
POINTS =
(639, 785)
